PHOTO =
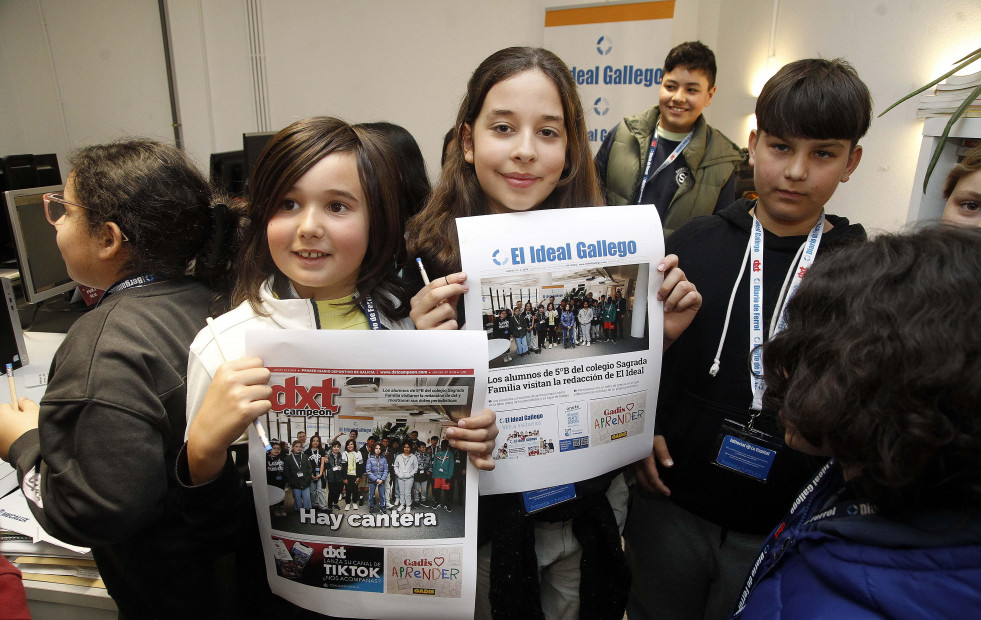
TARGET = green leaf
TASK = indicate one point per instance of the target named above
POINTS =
(943, 137)
(963, 62)
(969, 55)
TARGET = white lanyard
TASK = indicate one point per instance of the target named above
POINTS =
(650, 160)
(798, 269)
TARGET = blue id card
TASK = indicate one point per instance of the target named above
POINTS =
(746, 457)
(540, 499)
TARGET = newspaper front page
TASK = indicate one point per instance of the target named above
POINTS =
(574, 396)
(365, 562)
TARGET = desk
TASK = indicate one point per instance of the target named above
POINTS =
(55, 600)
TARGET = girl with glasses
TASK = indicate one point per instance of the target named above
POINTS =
(98, 454)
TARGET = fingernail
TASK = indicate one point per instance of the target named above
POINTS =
(661, 267)
(450, 432)
(466, 289)
(669, 462)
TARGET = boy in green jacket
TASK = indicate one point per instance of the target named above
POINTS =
(668, 155)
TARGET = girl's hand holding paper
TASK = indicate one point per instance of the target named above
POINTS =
(434, 306)
(239, 393)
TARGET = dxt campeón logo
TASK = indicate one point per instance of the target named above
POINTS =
(499, 258)
(604, 45)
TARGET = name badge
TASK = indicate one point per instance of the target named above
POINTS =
(540, 499)
(746, 457)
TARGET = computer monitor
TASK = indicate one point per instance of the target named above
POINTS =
(23, 172)
(228, 172)
(43, 273)
(252, 144)
(26, 171)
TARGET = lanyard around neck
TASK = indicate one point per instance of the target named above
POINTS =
(367, 305)
(664, 164)
(795, 274)
(134, 282)
(365, 302)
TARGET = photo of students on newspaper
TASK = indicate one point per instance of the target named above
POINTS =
(396, 485)
(561, 315)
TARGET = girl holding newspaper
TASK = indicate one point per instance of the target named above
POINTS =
(521, 144)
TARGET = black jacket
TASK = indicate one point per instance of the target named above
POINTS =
(111, 423)
(692, 404)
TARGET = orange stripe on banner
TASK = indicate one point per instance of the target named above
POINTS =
(637, 11)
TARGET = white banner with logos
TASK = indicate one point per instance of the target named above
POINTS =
(615, 53)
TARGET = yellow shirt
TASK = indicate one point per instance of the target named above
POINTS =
(341, 314)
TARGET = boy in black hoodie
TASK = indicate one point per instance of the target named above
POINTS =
(702, 514)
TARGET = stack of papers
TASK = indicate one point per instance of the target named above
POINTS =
(949, 95)
(38, 555)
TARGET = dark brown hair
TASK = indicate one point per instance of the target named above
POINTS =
(163, 205)
(286, 158)
(881, 364)
(970, 163)
(815, 98)
(432, 233)
(694, 56)
(414, 184)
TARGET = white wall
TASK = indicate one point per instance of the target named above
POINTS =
(408, 62)
(76, 73)
(403, 62)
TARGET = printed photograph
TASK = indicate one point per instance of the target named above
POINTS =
(369, 459)
(562, 315)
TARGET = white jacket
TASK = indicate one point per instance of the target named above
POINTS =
(283, 314)
(406, 466)
(585, 315)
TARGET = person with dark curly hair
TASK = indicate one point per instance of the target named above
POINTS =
(96, 457)
(879, 367)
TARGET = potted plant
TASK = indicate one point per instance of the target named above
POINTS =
(960, 64)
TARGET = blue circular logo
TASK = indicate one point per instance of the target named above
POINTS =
(503, 260)
(601, 106)
(604, 45)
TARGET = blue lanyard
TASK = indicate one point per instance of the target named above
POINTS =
(365, 303)
(134, 282)
(367, 306)
(810, 499)
(650, 160)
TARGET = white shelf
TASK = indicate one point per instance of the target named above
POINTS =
(930, 206)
